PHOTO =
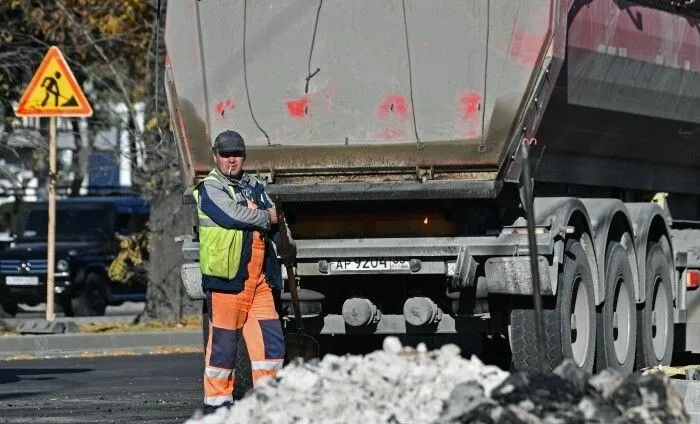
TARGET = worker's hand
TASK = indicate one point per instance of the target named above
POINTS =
(273, 215)
(251, 205)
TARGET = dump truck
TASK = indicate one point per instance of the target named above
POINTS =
(392, 133)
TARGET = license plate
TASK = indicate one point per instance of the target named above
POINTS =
(21, 281)
(369, 265)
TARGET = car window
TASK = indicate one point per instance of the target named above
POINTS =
(130, 223)
(72, 223)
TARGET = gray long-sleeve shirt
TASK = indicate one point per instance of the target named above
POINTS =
(232, 212)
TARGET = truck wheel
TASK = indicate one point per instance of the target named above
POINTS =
(92, 300)
(243, 372)
(569, 327)
(617, 318)
(655, 318)
(8, 309)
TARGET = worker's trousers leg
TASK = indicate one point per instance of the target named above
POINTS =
(250, 314)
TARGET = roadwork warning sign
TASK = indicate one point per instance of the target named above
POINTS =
(54, 91)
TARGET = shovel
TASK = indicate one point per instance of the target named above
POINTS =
(299, 344)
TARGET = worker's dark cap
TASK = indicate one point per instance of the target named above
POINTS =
(229, 142)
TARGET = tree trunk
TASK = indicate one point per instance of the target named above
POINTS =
(165, 298)
(159, 178)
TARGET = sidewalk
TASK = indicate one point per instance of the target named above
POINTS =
(98, 344)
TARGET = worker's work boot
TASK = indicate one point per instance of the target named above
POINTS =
(210, 409)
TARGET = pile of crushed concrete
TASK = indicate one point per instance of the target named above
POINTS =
(405, 385)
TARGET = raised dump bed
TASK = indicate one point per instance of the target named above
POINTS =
(377, 86)
(370, 90)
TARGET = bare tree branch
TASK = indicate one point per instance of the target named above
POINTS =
(101, 53)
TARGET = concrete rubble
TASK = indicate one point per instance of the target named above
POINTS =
(406, 385)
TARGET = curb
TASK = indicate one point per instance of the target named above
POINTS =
(106, 344)
(14, 322)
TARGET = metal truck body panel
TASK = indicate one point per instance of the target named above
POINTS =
(383, 82)
(352, 86)
(633, 59)
(626, 102)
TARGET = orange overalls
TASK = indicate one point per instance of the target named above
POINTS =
(249, 313)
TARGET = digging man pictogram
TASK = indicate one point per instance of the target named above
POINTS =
(50, 84)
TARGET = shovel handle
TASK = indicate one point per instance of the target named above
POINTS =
(291, 278)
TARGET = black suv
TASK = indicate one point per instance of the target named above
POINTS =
(91, 232)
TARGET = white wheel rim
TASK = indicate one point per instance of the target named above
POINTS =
(622, 313)
(659, 322)
(580, 322)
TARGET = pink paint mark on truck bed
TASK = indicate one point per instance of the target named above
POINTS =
(471, 105)
(470, 113)
(396, 113)
(297, 108)
(391, 133)
(393, 105)
(312, 104)
(221, 106)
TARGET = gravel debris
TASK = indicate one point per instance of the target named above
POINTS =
(568, 396)
(405, 385)
(396, 384)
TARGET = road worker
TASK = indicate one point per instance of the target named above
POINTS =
(238, 248)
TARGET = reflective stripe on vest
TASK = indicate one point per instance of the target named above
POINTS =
(219, 248)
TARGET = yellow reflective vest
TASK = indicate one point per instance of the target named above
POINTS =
(220, 248)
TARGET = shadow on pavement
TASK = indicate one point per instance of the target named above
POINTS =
(10, 396)
(13, 375)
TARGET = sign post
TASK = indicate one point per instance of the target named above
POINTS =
(51, 234)
(53, 92)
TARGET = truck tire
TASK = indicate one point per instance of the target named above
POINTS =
(655, 317)
(569, 326)
(8, 309)
(617, 317)
(92, 299)
(243, 371)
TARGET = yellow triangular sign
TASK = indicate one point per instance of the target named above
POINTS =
(53, 91)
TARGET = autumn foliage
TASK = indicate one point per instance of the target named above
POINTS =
(115, 49)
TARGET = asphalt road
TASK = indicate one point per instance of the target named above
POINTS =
(125, 312)
(130, 389)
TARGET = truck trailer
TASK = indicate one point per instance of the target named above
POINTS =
(392, 132)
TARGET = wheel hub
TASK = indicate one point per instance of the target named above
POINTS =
(580, 315)
(659, 320)
(622, 314)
